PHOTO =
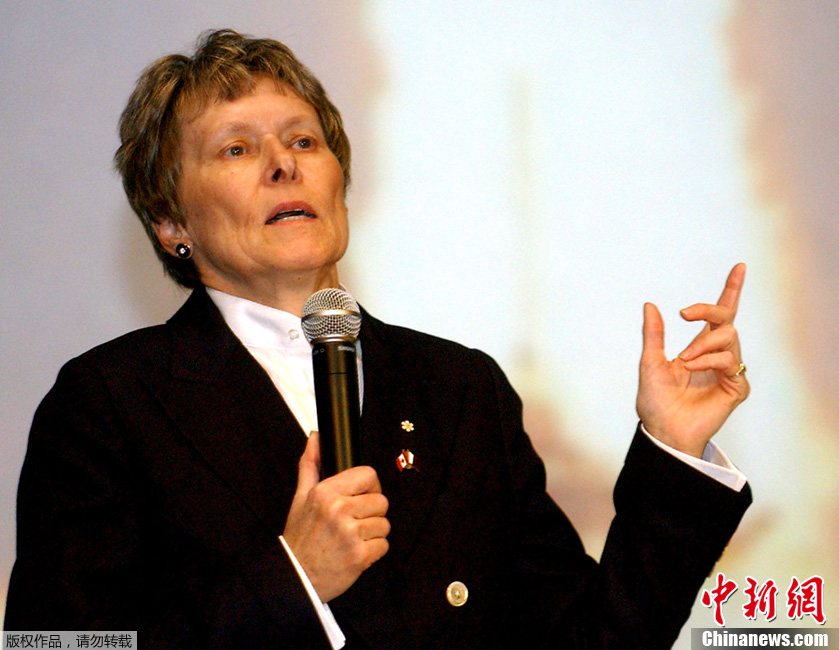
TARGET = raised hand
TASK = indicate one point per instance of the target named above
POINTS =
(336, 528)
(684, 402)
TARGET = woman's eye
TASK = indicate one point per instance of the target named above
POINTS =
(304, 143)
(235, 150)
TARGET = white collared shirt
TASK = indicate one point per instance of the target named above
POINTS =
(275, 339)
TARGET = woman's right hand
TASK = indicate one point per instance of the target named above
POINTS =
(337, 527)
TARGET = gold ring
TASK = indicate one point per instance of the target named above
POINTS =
(740, 370)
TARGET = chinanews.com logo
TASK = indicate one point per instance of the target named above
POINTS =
(710, 639)
(803, 601)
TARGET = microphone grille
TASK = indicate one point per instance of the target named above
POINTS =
(331, 313)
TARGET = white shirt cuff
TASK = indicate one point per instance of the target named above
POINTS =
(330, 625)
(714, 463)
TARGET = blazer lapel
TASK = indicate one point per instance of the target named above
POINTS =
(397, 417)
(225, 403)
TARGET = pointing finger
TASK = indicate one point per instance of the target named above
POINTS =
(730, 296)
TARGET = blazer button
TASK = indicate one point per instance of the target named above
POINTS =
(457, 594)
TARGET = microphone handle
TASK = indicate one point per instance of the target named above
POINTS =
(336, 396)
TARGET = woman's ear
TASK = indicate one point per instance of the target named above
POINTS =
(170, 235)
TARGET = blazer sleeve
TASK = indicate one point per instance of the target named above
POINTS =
(92, 554)
(671, 525)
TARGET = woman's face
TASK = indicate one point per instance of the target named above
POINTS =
(262, 194)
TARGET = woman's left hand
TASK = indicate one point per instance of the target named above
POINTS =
(684, 402)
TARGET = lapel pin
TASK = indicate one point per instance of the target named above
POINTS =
(406, 460)
(407, 425)
(457, 594)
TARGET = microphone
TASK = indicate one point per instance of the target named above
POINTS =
(331, 322)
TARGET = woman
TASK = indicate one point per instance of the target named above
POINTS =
(169, 486)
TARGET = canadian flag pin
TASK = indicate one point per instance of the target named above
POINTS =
(406, 460)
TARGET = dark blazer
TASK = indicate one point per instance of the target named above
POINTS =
(161, 467)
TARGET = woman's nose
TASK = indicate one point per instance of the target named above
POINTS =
(282, 163)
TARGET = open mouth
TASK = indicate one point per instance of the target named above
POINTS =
(290, 215)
